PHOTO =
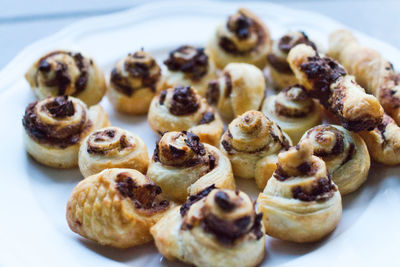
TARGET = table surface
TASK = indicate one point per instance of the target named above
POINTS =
(22, 22)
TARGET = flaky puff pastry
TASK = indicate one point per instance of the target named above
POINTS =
(183, 109)
(293, 110)
(182, 166)
(300, 202)
(55, 127)
(134, 81)
(116, 207)
(252, 143)
(216, 227)
(189, 66)
(240, 88)
(112, 147)
(345, 154)
(243, 38)
(338, 92)
(370, 69)
(67, 73)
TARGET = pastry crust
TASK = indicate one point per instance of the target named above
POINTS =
(252, 143)
(205, 232)
(116, 207)
(55, 126)
(67, 73)
(112, 147)
(182, 165)
(243, 38)
(134, 81)
(182, 109)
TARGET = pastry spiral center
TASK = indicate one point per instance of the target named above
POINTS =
(184, 101)
(293, 102)
(109, 141)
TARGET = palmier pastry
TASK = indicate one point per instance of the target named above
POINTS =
(67, 73)
(370, 69)
(216, 227)
(252, 143)
(116, 207)
(134, 82)
(55, 127)
(300, 202)
(345, 154)
(243, 38)
(338, 92)
(182, 109)
(112, 147)
(281, 73)
(293, 110)
(182, 165)
(240, 88)
(188, 65)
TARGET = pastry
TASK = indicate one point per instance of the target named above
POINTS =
(134, 82)
(183, 109)
(252, 143)
(293, 110)
(116, 207)
(338, 92)
(243, 38)
(182, 165)
(112, 147)
(216, 227)
(67, 73)
(345, 154)
(281, 73)
(240, 87)
(188, 65)
(370, 69)
(55, 126)
(300, 202)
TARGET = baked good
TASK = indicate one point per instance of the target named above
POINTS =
(338, 92)
(183, 109)
(300, 202)
(55, 126)
(182, 165)
(189, 66)
(252, 143)
(243, 38)
(240, 87)
(134, 81)
(370, 69)
(216, 227)
(112, 147)
(345, 154)
(293, 110)
(67, 73)
(116, 207)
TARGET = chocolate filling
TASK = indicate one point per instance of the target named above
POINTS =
(61, 107)
(322, 189)
(193, 141)
(286, 42)
(163, 95)
(212, 94)
(207, 118)
(279, 64)
(228, 84)
(280, 174)
(184, 101)
(194, 198)
(224, 202)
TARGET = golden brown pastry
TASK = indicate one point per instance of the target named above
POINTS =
(189, 66)
(293, 110)
(345, 154)
(216, 227)
(116, 207)
(243, 38)
(300, 202)
(67, 73)
(240, 88)
(182, 166)
(55, 127)
(338, 92)
(252, 143)
(183, 109)
(370, 69)
(134, 82)
(112, 147)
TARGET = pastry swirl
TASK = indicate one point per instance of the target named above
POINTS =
(67, 73)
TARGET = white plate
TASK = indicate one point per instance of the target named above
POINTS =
(33, 229)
